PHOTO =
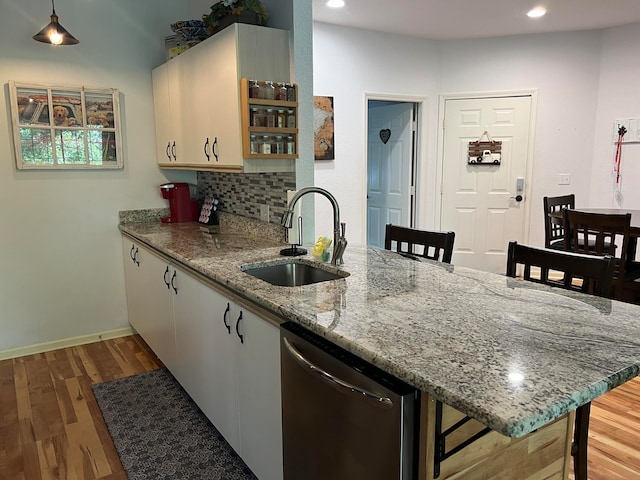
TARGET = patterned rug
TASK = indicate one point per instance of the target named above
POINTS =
(160, 433)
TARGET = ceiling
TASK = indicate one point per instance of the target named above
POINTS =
(459, 19)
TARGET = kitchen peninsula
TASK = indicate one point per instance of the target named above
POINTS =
(513, 356)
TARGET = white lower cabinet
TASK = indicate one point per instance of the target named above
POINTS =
(241, 382)
(226, 357)
(159, 295)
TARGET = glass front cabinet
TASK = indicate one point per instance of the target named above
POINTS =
(65, 127)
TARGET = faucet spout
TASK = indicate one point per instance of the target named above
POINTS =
(339, 241)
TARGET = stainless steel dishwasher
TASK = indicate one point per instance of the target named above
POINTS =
(342, 417)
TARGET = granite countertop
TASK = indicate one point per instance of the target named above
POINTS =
(514, 355)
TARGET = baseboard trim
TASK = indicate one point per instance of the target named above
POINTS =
(64, 343)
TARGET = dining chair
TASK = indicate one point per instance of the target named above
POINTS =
(435, 245)
(584, 272)
(553, 222)
(604, 234)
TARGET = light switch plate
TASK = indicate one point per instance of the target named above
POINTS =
(564, 179)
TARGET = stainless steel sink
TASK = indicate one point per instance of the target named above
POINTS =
(292, 273)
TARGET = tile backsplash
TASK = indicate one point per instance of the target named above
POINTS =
(244, 193)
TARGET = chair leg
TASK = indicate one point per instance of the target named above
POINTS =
(580, 440)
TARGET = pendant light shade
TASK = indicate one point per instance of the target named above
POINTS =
(54, 33)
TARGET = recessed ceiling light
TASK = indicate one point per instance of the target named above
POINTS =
(335, 3)
(537, 12)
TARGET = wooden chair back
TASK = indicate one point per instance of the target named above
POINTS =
(571, 271)
(435, 245)
(553, 223)
(600, 234)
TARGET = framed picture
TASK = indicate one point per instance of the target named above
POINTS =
(323, 128)
(65, 127)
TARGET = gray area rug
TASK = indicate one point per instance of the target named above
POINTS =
(160, 433)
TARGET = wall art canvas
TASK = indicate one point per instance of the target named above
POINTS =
(323, 128)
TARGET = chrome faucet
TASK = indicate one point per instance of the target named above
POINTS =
(339, 241)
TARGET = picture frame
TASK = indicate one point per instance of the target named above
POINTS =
(56, 127)
(323, 128)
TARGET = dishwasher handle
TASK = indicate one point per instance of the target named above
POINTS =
(335, 382)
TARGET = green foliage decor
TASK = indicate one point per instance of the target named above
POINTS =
(224, 8)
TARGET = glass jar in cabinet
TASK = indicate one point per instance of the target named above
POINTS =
(269, 91)
(291, 145)
(291, 119)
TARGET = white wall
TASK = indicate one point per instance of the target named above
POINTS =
(348, 64)
(618, 97)
(564, 68)
(62, 270)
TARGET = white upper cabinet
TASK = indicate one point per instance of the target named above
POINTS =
(202, 98)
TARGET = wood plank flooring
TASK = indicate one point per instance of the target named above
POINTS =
(51, 426)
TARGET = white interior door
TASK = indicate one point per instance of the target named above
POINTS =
(479, 201)
(388, 168)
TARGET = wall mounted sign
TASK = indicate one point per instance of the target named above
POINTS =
(385, 135)
(323, 128)
(487, 152)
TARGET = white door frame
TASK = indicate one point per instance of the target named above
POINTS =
(440, 154)
(420, 141)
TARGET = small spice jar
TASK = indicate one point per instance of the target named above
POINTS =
(254, 89)
(254, 117)
(266, 145)
(279, 144)
(281, 119)
(269, 90)
(291, 146)
(291, 92)
(254, 144)
(270, 118)
(291, 119)
(281, 91)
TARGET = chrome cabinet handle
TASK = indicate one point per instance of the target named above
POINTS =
(224, 318)
(206, 153)
(173, 151)
(136, 259)
(166, 150)
(240, 336)
(132, 252)
(335, 382)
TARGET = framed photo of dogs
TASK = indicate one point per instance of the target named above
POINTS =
(65, 127)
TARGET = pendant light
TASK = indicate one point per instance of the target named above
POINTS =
(54, 33)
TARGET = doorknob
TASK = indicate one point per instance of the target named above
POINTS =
(517, 198)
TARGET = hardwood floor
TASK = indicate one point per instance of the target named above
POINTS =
(51, 426)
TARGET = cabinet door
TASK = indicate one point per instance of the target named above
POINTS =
(162, 114)
(161, 336)
(136, 282)
(259, 397)
(188, 368)
(220, 403)
(168, 111)
(197, 138)
(224, 107)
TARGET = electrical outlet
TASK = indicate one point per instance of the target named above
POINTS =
(564, 179)
(264, 213)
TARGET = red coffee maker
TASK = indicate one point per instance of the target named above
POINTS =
(182, 208)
